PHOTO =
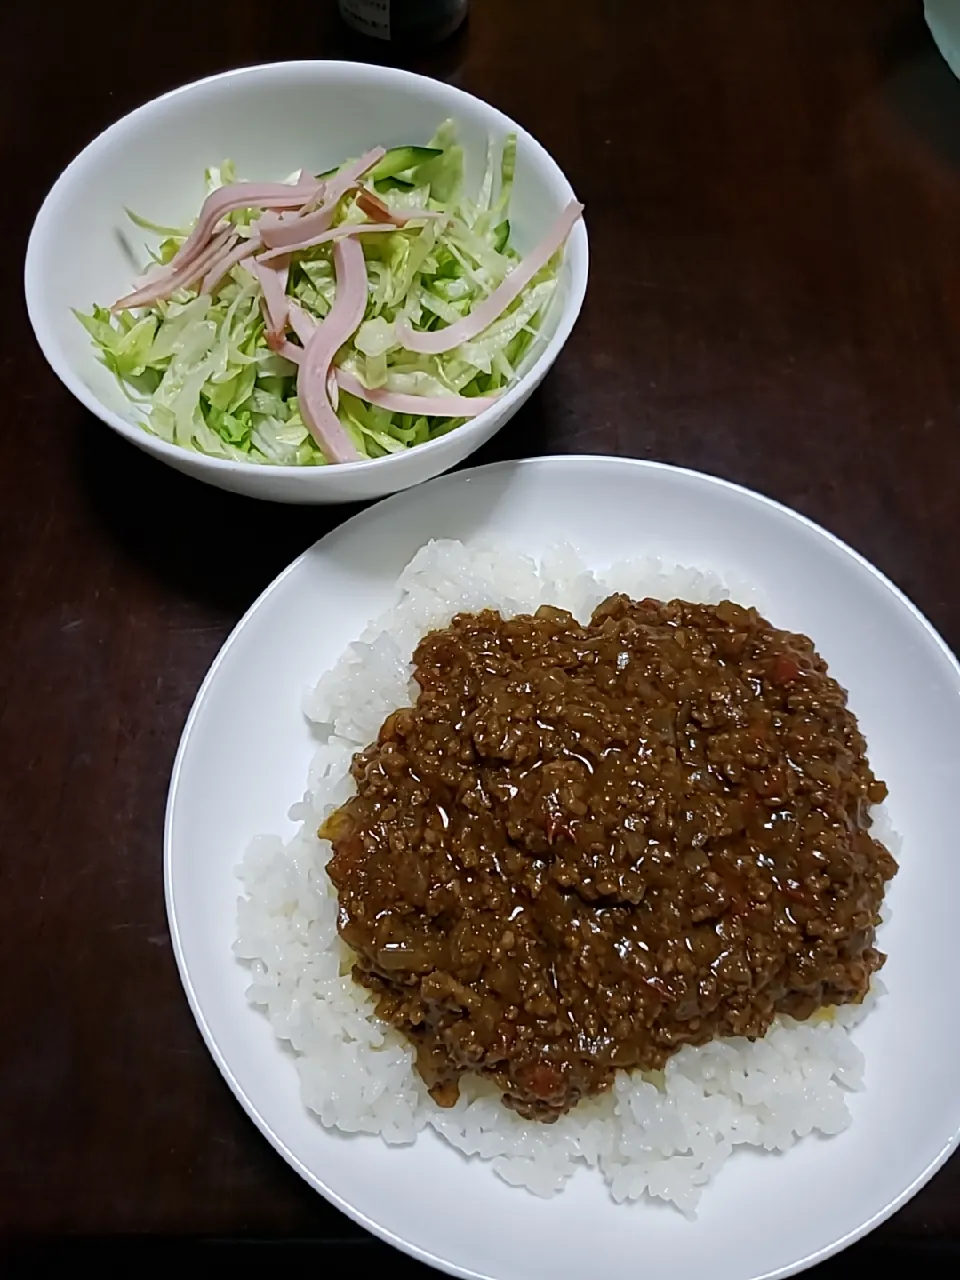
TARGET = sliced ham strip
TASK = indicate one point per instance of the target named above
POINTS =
(278, 235)
(283, 232)
(154, 274)
(338, 325)
(289, 350)
(337, 186)
(163, 286)
(273, 282)
(335, 233)
(303, 326)
(451, 406)
(269, 219)
(484, 314)
(373, 206)
(225, 263)
(241, 195)
(380, 211)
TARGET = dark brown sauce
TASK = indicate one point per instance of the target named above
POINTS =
(586, 846)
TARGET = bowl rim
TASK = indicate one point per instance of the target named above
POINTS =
(333, 69)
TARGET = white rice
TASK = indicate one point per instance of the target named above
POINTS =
(665, 1138)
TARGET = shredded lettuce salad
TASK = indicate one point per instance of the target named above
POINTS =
(199, 365)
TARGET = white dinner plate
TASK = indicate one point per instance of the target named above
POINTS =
(243, 761)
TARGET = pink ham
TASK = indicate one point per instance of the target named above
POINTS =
(373, 206)
(273, 282)
(451, 406)
(269, 219)
(241, 195)
(335, 233)
(226, 261)
(280, 234)
(486, 312)
(341, 323)
(337, 186)
(289, 350)
(154, 274)
(163, 286)
(380, 211)
(303, 325)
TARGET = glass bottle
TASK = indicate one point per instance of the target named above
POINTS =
(407, 22)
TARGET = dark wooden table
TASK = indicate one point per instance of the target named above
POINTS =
(773, 196)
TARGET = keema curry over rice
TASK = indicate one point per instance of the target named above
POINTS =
(587, 845)
(581, 844)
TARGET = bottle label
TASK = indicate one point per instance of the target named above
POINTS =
(369, 17)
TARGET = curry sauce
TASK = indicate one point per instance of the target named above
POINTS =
(588, 845)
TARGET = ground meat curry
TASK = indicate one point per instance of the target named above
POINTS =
(586, 846)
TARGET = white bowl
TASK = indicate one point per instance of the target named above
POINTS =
(271, 120)
(943, 19)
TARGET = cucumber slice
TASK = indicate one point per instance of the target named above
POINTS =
(399, 160)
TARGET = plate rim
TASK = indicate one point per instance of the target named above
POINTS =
(421, 1254)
